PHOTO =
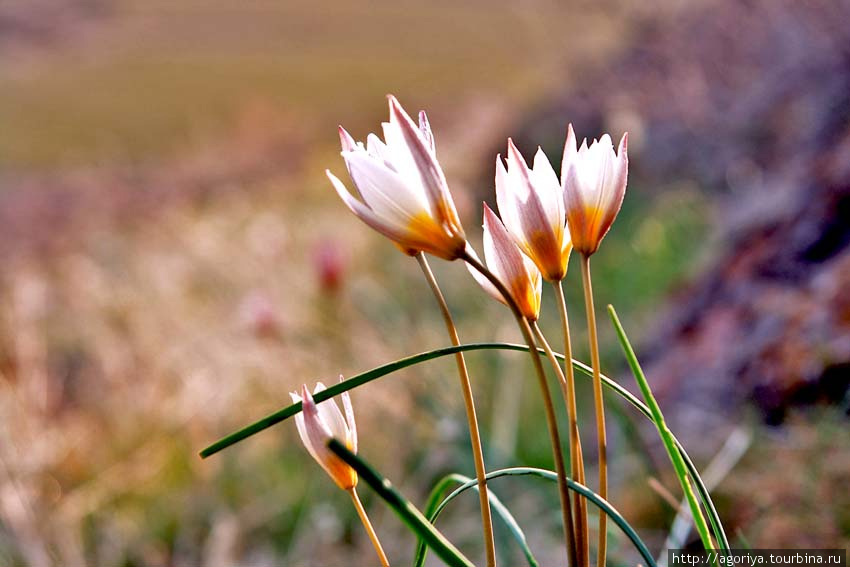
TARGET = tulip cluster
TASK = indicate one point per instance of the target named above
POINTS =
(401, 192)
(404, 196)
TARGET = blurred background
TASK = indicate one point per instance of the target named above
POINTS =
(173, 262)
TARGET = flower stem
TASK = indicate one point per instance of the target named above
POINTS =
(382, 557)
(551, 421)
(575, 458)
(599, 403)
(472, 420)
(576, 454)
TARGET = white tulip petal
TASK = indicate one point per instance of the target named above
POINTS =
(402, 160)
(384, 191)
(333, 419)
(570, 152)
(330, 415)
(349, 418)
(485, 284)
(314, 433)
(401, 188)
(544, 182)
(616, 189)
(376, 148)
(594, 186)
(507, 202)
(430, 173)
(531, 212)
(498, 255)
(346, 141)
(386, 227)
(425, 129)
(510, 266)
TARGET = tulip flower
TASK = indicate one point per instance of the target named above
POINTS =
(594, 184)
(402, 186)
(531, 203)
(513, 268)
(317, 424)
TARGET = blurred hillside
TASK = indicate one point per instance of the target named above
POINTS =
(750, 103)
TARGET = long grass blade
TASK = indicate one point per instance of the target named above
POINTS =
(435, 500)
(384, 370)
(663, 432)
(408, 513)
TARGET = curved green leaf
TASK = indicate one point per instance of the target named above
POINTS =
(597, 500)
(434, 501)
(381, 371)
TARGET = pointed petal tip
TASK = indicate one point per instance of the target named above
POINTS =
(514, 153)
(346, 140)
(395, 105)
(541, 156)
(570, 145)
(487, 216)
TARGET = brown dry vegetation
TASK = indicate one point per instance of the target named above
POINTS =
(174, 263)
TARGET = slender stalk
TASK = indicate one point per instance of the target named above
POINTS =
(382, 557)
(549, 408)
(472, 420)
(599, 403)
(576, 454)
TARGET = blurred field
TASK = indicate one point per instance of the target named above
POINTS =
(174, 262)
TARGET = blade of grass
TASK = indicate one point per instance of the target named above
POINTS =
(381, 371)
(435, 499)
(603, 505)
(408, 513)
(344, 386)
(663, 432)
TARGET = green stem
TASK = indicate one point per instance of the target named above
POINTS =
(549, 408)
(472, 420)
(599, 404)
